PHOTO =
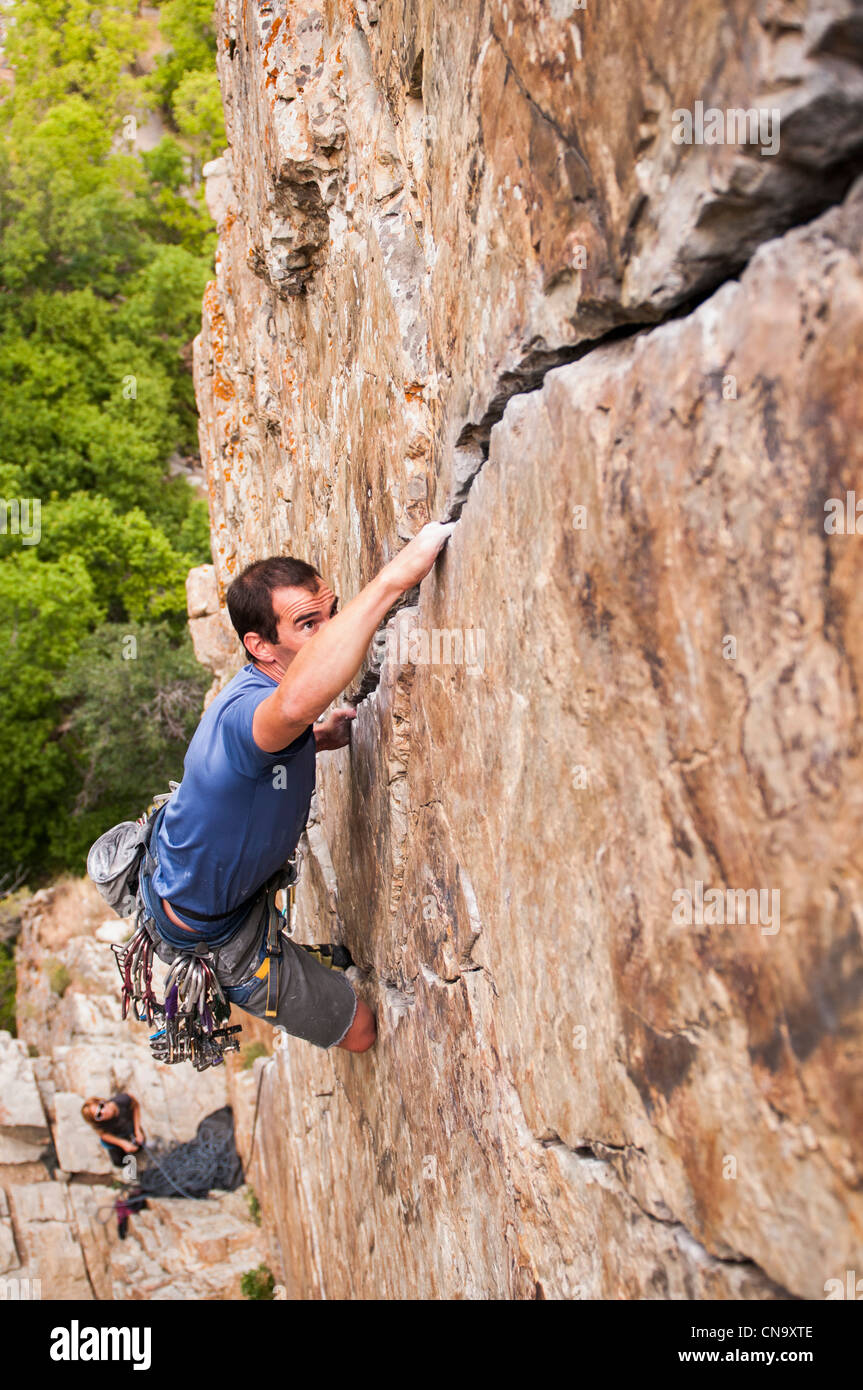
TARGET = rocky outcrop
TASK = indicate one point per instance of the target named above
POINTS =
(594, 839)
(58, 1234)
(213, 638)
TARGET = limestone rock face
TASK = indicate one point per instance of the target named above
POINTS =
(213, 638)
(183, 1249)
(73, 1137)
(422, 213)
(8, 1251)
(594, 840)
(22, 1119)
(44, 1230)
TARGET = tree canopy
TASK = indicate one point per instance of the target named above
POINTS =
(106, 247)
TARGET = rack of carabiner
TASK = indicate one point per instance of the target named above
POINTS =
(194, 1005)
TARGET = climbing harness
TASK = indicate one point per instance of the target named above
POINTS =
(193, 1017)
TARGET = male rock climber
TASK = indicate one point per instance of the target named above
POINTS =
(249, 774)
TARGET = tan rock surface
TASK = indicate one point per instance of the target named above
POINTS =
(9, 1260)
(47, 1240)
(73, 1138)
(421, 217)
(213, 638)
(22, 1119)
(180, 1249)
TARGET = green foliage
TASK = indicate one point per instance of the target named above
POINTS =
(135, 572)
(187, 25)
(45, 611)
(58, 974)
(135, 693)
(95, 395)
(197, 110)
(105, 250)
(8, 987)
(249, 1054)
(258, 1283)
(254, 1206)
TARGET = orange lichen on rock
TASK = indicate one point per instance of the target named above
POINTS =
(274, 29)
(222, 388)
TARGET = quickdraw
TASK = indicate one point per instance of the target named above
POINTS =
(135, 963)
(194, 1004)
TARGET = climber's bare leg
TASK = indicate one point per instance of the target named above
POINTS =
(362, 1031)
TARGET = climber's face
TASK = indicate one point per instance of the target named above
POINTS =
(299, 614)
(104, 1110)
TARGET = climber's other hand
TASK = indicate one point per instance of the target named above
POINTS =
(334, 731)
(414, 562)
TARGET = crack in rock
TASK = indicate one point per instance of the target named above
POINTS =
(590, 1153)
(472, 444)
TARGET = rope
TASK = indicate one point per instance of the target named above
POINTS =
(257, 1103)
(149, 1152)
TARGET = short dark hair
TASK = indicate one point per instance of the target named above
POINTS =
(250, 595)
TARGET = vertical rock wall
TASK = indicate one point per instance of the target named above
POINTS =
(465, 270)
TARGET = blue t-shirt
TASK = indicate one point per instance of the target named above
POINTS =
(238, 813)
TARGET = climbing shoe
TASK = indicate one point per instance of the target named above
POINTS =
(333, 957)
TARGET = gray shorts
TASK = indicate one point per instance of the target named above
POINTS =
(313, 1002)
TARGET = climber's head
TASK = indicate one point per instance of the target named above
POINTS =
(275, 606)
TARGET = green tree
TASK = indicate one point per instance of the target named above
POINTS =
(189, 29)
(134, 570)
(134, 691)
(45, 612)
(105, 250)
(197, 107)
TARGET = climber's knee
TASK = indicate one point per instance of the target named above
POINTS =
(362, 1031)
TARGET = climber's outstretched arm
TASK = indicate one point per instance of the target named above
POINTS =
(329, 661)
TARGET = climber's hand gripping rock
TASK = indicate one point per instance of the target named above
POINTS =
(412, 564)
(335, 730)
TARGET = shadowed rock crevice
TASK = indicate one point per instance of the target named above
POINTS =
(472, 443)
